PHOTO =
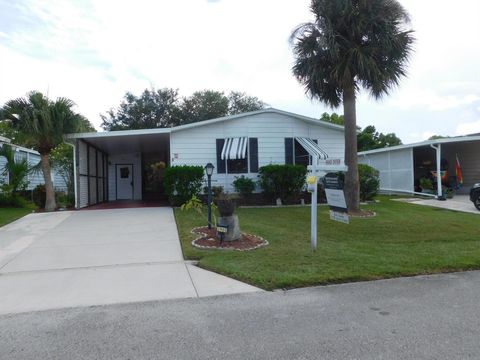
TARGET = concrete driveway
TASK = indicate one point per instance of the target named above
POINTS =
(458, 203)
(82, 258)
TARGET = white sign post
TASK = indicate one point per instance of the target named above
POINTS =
(312, 184)
(319, 168)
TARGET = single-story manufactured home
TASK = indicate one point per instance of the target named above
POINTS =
(119, 165)
(401, 167)
(34, 178)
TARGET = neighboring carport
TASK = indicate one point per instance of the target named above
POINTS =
(402, 167)
(112, 166)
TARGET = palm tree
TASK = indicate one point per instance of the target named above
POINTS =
(352, 44)
(43, 123)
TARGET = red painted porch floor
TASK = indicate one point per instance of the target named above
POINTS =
(127, 204)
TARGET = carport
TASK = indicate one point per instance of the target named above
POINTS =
(120, 165)
(401, 167)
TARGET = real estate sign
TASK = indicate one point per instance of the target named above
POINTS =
(336, 198)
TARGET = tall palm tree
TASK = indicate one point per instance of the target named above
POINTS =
(43, 123)
(352, 44)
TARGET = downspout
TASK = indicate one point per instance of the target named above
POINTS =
(438, 150)
(74, 172)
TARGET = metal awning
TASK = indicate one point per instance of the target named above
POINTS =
(234, 148)
(312, 148)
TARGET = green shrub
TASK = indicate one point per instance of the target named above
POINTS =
(39, 196)
(282, 181)
(216, 191)
(243, 185)
(65, 200)
(369, 182)
(183, 182)
(426, 184)
(16, 170)
(9, 199)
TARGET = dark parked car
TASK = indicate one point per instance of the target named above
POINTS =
(475, 195)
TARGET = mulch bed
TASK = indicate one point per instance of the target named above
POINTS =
(208, 240)
(362, 214)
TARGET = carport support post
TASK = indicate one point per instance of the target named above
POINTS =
(438, 150)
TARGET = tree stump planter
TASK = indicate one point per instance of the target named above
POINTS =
(207, 240)
(233, 225)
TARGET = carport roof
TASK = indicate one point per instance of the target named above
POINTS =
(423, 143)
(126, 141)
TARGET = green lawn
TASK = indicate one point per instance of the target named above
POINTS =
(403, 239)
(8, 215)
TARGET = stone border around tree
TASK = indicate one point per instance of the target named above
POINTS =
(202, 235)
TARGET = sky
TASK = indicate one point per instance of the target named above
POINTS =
(93, 51)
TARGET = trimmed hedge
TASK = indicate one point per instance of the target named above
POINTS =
(282, 181)
(369, 182)
(183, 182)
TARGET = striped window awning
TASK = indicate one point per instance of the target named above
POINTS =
(312, 148)
(234, 148)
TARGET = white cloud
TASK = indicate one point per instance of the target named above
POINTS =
(94, 51)
(427, 135)
(468, 128)
(431, 100)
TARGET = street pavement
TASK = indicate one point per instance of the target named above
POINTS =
(425, 317)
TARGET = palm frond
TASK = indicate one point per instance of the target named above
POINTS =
(366, 43)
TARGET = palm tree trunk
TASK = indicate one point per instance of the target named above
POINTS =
(50, 204)
(352, 187)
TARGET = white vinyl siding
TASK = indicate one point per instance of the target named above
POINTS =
(197, 146)
(35, 177)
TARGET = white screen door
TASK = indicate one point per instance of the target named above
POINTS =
(125, 182)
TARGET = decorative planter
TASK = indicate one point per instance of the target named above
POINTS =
(226, 207)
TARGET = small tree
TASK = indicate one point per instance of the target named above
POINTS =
(62, 162)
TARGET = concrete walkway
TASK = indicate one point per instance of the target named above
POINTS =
(458, 203)
(83, 258)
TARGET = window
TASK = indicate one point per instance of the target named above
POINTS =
(237, 166)
(295, 153)
(301, 156)
(237, 155)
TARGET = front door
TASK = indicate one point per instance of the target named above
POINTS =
(124, 182)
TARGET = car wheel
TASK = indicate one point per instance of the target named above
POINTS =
(476, 202)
